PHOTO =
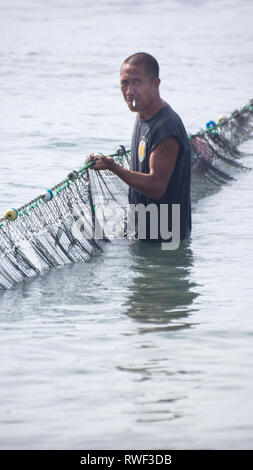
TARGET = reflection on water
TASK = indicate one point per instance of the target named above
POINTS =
(160, 301)
(161, 293)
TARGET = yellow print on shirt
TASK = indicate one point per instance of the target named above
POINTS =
(141, 151)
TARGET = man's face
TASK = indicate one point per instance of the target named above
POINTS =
(137, 86)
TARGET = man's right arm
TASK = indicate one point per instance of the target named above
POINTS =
(161, 165)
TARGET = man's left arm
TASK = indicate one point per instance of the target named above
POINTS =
(161, 165)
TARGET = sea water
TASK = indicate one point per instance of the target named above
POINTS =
(138, 348)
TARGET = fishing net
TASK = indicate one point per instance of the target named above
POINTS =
(76, 218)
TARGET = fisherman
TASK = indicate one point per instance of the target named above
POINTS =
(160, 153)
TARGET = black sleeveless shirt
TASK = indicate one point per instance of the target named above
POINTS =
(146, 136)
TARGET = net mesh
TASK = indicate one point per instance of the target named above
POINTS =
(67, 223)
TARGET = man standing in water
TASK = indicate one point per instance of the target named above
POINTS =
(160, 153)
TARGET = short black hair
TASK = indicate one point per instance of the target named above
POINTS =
(142, 58)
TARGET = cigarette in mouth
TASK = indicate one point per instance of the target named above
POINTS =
(134, 103)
